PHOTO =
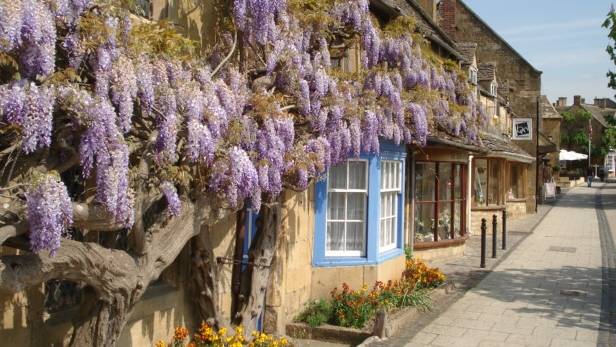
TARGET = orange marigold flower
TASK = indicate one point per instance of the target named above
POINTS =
(181, 333)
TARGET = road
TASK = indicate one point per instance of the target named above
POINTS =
(557, 288)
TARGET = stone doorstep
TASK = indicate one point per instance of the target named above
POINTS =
(395, 321)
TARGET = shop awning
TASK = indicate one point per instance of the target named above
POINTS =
(440, 137)
(500, 147)
(565, 155)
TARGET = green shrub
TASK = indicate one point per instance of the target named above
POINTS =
(318, 312)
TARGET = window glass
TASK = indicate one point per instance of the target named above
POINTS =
(480, 182)
(445, 182)
(425, 181)
(357, 175)
(494, 186)
(457, 217)
(424, 222)
(444, 222)
(516, 177)
(338, 177)
(391, 194)
(457, 178)
(346, 209)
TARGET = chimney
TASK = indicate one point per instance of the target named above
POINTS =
(562, 102)
(447, 17)
(429, 6)
(577, 100)
(583, 101)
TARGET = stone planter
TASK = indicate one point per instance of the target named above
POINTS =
(394, 322)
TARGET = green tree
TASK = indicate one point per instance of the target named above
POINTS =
(574, 130)
(610, 25)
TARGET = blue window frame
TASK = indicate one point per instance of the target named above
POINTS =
(345, 206)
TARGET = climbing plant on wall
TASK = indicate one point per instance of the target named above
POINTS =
(119, 125)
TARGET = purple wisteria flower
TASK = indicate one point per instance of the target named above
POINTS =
(50, 213)
(173, 200)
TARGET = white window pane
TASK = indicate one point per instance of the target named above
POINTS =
(335, 206)
(355, 206)
(357, 174)
(335, 236)
(338, 176)
(355, 237)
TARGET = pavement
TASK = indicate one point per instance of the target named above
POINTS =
(555, 287)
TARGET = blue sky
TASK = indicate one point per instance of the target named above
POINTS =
(562, 38)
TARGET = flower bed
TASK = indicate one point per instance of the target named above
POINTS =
(356, 308)
(207, 336)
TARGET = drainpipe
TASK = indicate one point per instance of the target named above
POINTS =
(469, 187)
(411, 193)
(537, 187)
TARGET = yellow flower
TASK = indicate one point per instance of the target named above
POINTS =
(222, 332)
(160, 343)
(284, 342)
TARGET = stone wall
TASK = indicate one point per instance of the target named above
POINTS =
(487, 213)
(440, 253)
(516, 209)
(523, 80)
(294, 281)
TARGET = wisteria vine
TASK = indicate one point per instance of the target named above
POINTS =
(240, 142)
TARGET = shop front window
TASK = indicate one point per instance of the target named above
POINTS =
(486, 182)
(516, 181)
(440, 201)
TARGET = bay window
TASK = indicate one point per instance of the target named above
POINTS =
(517, 180)
(347, 195)
(359, 209)
(391, 192)
(486, 182)
(439, 201)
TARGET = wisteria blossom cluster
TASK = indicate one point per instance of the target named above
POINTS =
(50, 213)
(242, 143)
(173, 200)
(29, 27)
(29, 107)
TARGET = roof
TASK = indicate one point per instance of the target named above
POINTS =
(599, 113)
(500, 147)
(438, 136)
(498, 36)
(468, 51)
(425, 24)
(547, 109)
(486, 71)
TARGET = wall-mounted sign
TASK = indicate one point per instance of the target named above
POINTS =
(522, 128)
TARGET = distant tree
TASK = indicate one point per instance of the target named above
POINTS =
(574, 132)
(610, 25)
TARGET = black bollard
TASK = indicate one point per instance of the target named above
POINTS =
(484, 230)
(494, 228)
(504, 229)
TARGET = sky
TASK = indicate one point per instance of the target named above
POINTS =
(562, 38)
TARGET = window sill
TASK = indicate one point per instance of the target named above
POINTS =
(440, 244)
(488, 208)
(358, 261)
(517, 200)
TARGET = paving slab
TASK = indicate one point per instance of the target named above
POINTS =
(550, 290)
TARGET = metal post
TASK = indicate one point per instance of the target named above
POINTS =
(494, 225)
(504, 229)
(484, 228)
